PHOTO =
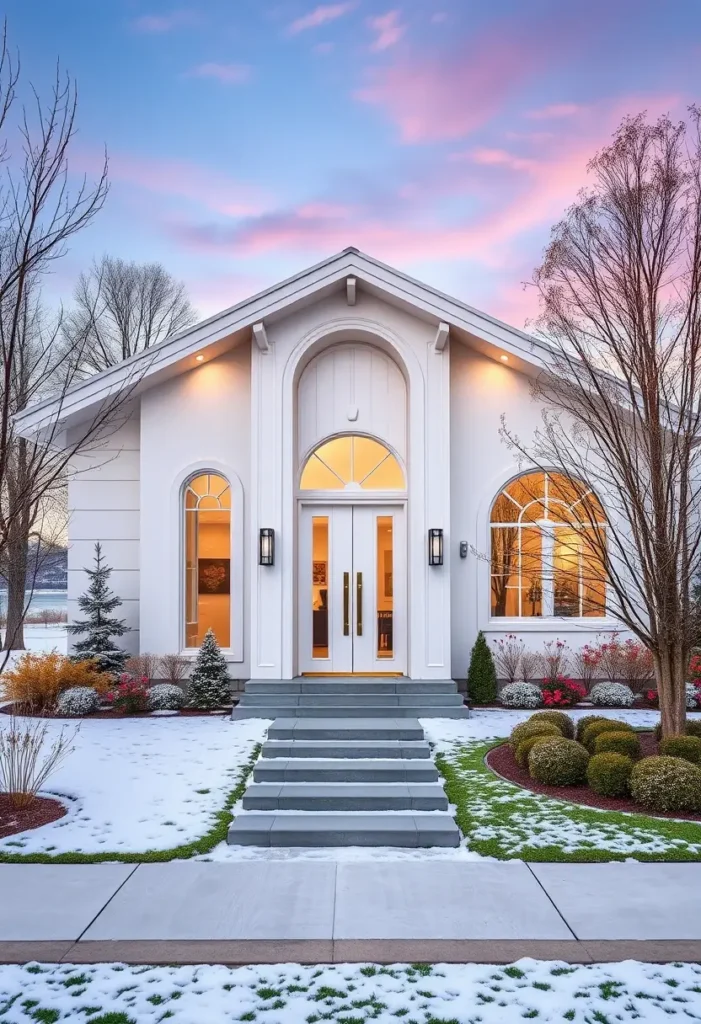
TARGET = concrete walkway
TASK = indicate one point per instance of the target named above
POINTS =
(305, 911)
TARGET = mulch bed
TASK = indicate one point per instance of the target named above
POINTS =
(17, 709)
(41, 811)
(501, 760)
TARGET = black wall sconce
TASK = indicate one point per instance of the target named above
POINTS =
(266, 546)
(435, 547)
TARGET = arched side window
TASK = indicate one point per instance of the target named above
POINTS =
(352, 462)
(207, 500)
(548, 546)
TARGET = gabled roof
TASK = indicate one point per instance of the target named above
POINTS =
(213, 336)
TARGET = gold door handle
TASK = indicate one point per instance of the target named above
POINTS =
(359, 602)
(346, 603)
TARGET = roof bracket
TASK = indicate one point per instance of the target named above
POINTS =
(351, 290)
(441, 339)
(260, 336)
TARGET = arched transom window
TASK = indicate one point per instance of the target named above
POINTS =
(207, 559)
(352, 462)
(548, 549)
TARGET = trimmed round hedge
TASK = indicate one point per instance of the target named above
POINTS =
(666, 784)
(623, 742)
(558, 718)
(525, 729)
(611, 695)
(688, 748)
(558, 762)
(78, 701)
(525, 746)
(165, 697)
(692, 728)
(585, 721)
(608, 774)
(595, 729)
(521, 695)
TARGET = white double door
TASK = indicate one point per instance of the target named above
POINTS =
(352, 589)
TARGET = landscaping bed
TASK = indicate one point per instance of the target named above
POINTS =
(41, 811)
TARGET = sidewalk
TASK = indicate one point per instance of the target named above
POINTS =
(303, 911)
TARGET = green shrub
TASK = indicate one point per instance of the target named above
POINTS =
(559, 762)
(609, 774)
(586, 720)
(595, 729)
(692, 728)
(481, 675)
(558, 718)
(524, 748)
(686, 747)
(529, 728)
(623, 742)
(666, 784)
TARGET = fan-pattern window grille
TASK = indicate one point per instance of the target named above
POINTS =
(350, 463)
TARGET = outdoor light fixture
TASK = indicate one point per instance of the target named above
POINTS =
(504, 359)
(266, 546)
(435, 547)
(199, 358)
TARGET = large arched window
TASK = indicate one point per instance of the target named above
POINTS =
(548, 548)
(207, 559)
(352, 462)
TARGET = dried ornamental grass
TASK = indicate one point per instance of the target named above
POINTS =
(37, 679)
(25, 760)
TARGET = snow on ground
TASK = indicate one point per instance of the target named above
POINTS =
(139, 784)
(548, 991)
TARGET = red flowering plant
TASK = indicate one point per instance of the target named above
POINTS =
(562, 692)
(651, 698)
(129, 695)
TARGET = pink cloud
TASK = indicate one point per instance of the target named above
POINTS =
(227, 74)
(319, 16)
(157, 24)
(495, 158)
(555, 110)
(388, 30)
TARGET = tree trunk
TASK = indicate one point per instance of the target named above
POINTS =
(670, 674)
(16, 553)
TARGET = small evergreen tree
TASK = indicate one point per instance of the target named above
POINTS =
(481, 676)
(99, 626)
(209, 682)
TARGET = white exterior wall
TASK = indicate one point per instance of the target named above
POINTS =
(103, 505)
(196, 422)
(481, 390)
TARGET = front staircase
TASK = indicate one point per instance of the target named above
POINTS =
(345, 782)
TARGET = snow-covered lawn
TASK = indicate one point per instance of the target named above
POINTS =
(352, 993)
(141, 784)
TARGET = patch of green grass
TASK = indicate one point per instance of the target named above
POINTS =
(248, 1015)
(297, 988)
(205, 844)
(423, 969)
(327, 992)
(45, 1016)
(268, 993)
(113, 1018)
(76, 979)
(514, 972)
(485, 802)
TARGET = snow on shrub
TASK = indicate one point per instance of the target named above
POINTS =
(521, 695)
(666, 784)
(165, 697)
(558, 762)
(693, 696)
(611, 695)
(78, 700)
(524, 748)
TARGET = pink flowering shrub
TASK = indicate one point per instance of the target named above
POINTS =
(130, 696)
(562, 692)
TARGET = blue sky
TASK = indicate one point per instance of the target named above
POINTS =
(248, 139)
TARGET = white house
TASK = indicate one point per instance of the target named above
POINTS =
(317, 473)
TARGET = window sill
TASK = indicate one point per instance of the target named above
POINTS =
(553, 625)
(229, 656)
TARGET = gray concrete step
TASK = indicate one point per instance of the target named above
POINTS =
(345, 796)
(253, 828)
(417, 710)
(358, 728)
(301, 770)
(348, 697)
(341, 685)
(347, 748)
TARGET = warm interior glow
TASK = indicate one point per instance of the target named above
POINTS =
(352, 462)
(207, 559)
(199, 358)
(504, 359)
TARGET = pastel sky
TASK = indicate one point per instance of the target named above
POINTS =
(248, 139)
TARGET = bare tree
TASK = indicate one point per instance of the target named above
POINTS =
(123, 308)
(620, 310)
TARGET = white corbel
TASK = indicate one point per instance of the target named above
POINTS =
(441, 339)
(260, 336)
(351, 290)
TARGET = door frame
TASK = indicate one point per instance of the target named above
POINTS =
(326, 499)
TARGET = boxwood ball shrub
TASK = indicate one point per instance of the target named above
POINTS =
(78, 701)
(611, 695)
(525, 729)
(524, 748)
(595, 729)
(521, 695)
(609, 774)
(686, 747)
(165, 697)
(586, 720)
(666, 784)
(624, 742)
(558, 718)
(558, 762)
(693, 727)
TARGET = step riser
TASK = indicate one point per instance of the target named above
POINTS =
(298, 730)
(330, 700)
(344, 685)
(254, 802)
(417, 711)
(310, 748)
(269, 772)
(407, 831)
